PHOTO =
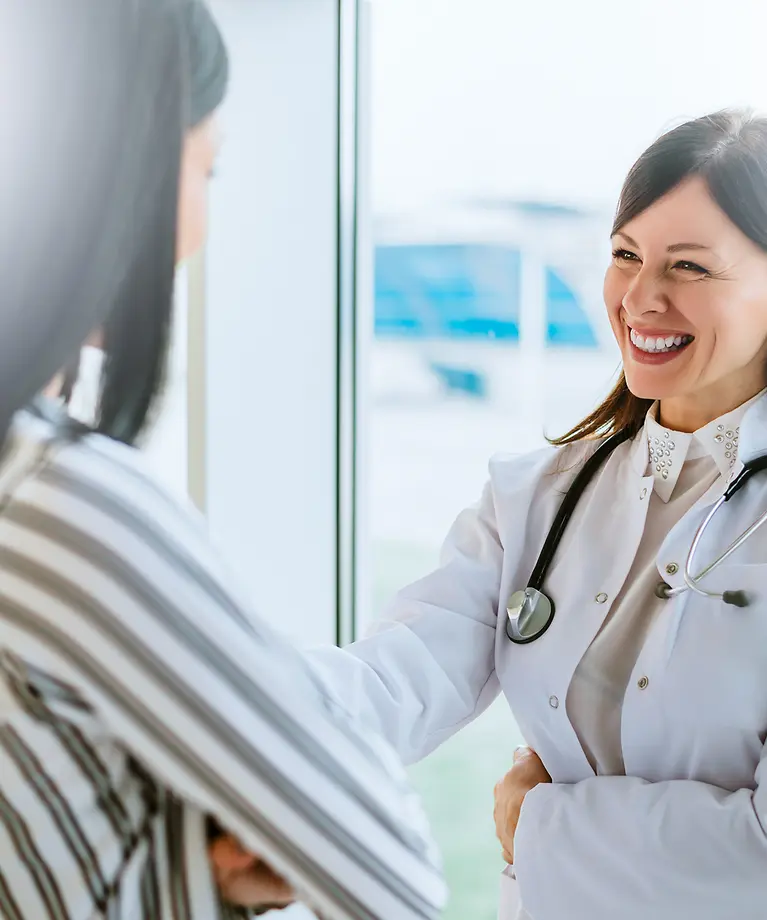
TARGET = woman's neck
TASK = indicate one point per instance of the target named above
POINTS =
(690, 413)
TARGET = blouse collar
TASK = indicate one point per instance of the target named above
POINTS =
(668, 450)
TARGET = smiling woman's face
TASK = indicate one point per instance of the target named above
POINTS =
(686, 293)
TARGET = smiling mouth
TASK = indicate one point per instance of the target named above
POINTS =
(659, 344)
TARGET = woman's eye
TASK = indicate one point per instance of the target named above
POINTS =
(691, 267)
(623, 255)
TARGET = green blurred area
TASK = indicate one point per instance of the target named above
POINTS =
(456, 781)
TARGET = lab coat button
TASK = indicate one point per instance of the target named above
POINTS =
(554, 702)
(672, 568)
(643, 493)
(601, 597)
(642, 683)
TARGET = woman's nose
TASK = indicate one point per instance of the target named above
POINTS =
(644, 295)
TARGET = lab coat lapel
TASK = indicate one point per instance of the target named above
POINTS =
(588, 573)
(753, 431)
(753, 443)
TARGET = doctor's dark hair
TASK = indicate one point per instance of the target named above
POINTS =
(728, 150)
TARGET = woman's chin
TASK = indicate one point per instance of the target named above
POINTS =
(643, 386)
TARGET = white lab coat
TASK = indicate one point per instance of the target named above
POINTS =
(684, 833)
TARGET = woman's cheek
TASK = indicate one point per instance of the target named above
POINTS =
(613, 293)
(192, 216)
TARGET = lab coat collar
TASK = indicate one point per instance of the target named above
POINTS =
(667, 452)
(753, 430)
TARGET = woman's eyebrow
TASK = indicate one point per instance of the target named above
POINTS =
(678, 247)
(675, 247)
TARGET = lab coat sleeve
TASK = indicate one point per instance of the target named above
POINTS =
(427, 668)
(618, 846)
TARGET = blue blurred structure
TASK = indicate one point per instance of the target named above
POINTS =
(461, 380)
(467, 291)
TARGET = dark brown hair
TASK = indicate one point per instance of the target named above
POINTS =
(729, 151)
(167, 85)
(88, 188)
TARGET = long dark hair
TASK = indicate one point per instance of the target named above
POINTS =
(96, 98)
(137, 332)
(729, 151)
(92, 114)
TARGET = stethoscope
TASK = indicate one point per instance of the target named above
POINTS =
(530, 612)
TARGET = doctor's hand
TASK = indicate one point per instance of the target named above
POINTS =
(528, 771)
(244, 879)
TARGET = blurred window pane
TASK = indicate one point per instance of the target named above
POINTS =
(501, 134)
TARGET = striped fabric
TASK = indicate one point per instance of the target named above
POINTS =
(139, 698)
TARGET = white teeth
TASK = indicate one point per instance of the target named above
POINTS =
(653, 344)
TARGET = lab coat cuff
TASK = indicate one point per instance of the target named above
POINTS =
(529, 841)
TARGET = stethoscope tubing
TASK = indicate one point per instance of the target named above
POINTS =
(569, 504)
(691, 582)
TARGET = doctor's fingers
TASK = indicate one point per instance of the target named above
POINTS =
(528, 768)
(505, 819)
(504, 831)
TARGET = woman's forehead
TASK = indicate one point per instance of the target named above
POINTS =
(686, 214)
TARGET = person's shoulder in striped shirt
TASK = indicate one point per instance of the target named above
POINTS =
(143, 696)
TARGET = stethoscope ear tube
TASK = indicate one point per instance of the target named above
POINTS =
(750, 469)
(736, 598)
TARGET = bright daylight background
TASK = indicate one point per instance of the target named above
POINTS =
(501, 133)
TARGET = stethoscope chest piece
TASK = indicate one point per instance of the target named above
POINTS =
(528, 615)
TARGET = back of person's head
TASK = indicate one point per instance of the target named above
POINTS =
(138, 330)
(97, 97)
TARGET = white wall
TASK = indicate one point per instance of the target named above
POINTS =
(271, 302)
(166, 444)
(554, 99)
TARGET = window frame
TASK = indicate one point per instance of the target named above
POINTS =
(308, 581)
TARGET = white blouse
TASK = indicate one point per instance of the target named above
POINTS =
(684, 466)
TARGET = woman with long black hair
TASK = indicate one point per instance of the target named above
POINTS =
(141, 702)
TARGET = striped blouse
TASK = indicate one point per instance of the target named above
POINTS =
(140, 698)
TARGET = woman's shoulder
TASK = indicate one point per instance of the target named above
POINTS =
(95, 482)
(95, 502)
(548, 466)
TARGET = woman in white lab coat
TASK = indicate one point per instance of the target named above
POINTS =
(646, 794)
